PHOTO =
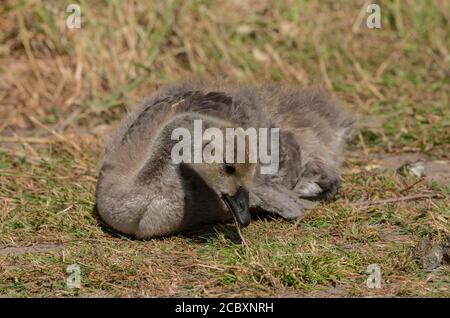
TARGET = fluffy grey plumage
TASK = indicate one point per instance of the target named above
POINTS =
(142, 193)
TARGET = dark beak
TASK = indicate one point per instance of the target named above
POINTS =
(239, 206)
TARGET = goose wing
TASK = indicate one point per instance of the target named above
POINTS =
(154, 112)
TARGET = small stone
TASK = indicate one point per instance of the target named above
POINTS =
(260, 56)
(433, 259)
(431, 254)
(416, 169)
(244, 29)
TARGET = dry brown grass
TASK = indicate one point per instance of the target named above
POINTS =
(62, 90)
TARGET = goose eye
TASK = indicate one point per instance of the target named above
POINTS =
(229, 168)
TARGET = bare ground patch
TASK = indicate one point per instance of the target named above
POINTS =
(36, 248)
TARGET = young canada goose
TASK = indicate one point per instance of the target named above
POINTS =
(142, 192)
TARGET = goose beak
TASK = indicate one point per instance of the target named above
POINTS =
(239, 206)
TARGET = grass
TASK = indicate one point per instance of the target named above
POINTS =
(62, 91)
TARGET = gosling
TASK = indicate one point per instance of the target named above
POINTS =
(142, 192)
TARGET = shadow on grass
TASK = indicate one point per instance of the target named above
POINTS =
(201, 234)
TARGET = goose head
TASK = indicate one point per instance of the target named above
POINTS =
(232, 183)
